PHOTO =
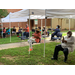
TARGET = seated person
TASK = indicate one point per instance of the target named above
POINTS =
(35, 39)
(19, 31)
(67, 45)
(37, 35)
(8, 31)
(26, 33)
(14, 30)
(39, 28)
(4, 32)
(45, 31)
(56, 31)
(59, 36)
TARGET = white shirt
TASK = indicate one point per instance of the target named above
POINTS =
(70, 43)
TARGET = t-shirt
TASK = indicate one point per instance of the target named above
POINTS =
(27, 29)
(4, 30)
(37, 35)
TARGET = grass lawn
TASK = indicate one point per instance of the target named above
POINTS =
(20, 56)
(14, 39)
(68, 30)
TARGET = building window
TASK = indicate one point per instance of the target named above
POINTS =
(67, 21)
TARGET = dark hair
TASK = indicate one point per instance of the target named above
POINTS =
(58, 26)
(69, 32)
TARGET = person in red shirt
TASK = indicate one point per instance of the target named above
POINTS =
(4, 32)
(26, 33)
(37, 35)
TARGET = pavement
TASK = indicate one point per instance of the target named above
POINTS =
(14, 45)
(22, 44)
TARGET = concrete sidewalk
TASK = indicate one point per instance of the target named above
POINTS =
(14, 45)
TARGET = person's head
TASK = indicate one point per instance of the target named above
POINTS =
(37, 30)
(19, 27)
(58, 26)
(69, 34)
(39, 27)
(26, 25)
(3, 27)
(13, 26)
(43, 27)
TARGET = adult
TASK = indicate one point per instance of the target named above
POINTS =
(44, 31)
(19, 32)
(37, 35)
(14, 30)
(8, 31)
(4, 32)
(67, 45)
(55, 32)
(26, 33)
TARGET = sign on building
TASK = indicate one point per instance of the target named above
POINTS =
(36, 22)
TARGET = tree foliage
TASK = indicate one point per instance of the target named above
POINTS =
(3, 13)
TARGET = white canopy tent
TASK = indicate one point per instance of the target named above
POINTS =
(30, 14)
(6, 19)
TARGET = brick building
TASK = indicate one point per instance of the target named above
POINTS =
(22, 24)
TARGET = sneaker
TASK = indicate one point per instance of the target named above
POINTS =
(30, 49)
(53, 58)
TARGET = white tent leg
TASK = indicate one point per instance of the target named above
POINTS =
(41, 29)
(44, 39)
(69, 24)
(10, 27)
(29, 31)
(2, 29)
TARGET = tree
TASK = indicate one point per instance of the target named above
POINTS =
(3, 13)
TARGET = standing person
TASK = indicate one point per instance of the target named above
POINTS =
(4, 32)
(56, 31)
(67, 45)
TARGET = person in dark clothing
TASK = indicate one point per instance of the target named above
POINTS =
(56, 31)
(4, 32)
(14, 30)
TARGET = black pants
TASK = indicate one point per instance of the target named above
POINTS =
(52, 36)
(4, 35)
(19, 33)
(59, 48)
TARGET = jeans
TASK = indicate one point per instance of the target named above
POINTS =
(59, 48)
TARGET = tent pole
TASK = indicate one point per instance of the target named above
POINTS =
(29, 31)
(41, 29)
(69, 24)
(10, 27)
(45, 33)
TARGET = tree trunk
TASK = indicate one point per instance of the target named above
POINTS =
(1, 27)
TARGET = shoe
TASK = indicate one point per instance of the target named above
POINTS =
(65, 60)
(30, 49)
(53, 58)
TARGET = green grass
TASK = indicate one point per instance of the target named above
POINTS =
(20, 56)
(68, 30)
(14, 39)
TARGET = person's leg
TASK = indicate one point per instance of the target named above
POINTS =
(65, 51)
(52, 36)
(57, 49)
